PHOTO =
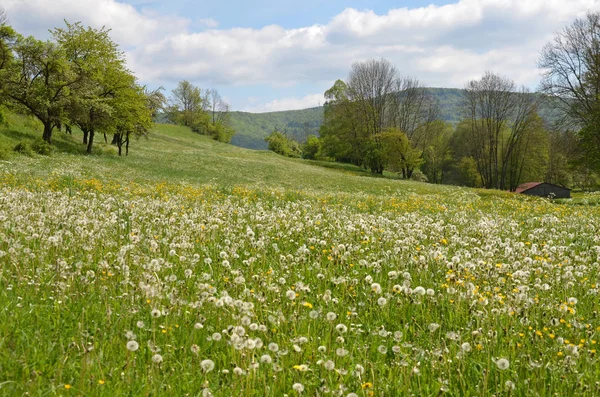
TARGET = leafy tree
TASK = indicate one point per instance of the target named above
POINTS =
(397, 153)
(133, 112)
(38, 80)
(189, 104)
(7, 41)
(281, 144)
(311, 150)
(437, 155)
(341, 133)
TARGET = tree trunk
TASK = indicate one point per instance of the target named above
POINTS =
(85, 136)
(116, 139)
(127, 145)
(48, 132)
(90, 142)
(68, 129)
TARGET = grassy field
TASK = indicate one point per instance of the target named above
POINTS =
(197, 268)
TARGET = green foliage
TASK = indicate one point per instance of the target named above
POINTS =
(281, 144)
(41, 147)
(468, 172)
(23, 148)
(311, 150)
(398, 153)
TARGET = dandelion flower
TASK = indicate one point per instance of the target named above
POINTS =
(331, 316)
(433, 327)
(381, 301)
(155, 313)
(502, 364)
(157, 358)
(329, 365)
(298, 387)
(341, 328)
(132, 346)
(466, 347)
(419, 291)
(291, 295)
(207, 365)
(266, 359)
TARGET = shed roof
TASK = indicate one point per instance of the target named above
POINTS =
(530, 185)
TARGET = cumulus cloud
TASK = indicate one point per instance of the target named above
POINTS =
(440, 45)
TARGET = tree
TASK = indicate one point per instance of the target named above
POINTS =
(342, 136)
(101, 74)
(220, 127)
(436, 156)
(312, 148)
(397, 153)
(37, 81)
(7, 41)
(373, 99)
(133, 113)
(571, 64)
(498, 116)
(155, 100)
(281, 144)
(188, 105)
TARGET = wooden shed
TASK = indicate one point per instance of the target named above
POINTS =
(543, 189)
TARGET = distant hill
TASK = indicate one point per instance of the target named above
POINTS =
(252, 128)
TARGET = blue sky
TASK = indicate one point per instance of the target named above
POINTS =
(266, 55)
(286, 13)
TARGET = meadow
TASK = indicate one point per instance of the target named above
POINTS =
(195, 268)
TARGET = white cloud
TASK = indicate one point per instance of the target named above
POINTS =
(308, 101)
(441, 45)
(208, 22)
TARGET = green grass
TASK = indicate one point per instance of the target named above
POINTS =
(285, 274)
(177, 155)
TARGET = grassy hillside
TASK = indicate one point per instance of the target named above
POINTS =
(197, 268)
(175, 154)
(252, 128)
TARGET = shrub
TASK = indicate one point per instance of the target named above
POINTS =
(41, 147)
(23, 148)
(281, 144)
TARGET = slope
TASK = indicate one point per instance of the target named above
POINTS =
(175, 155)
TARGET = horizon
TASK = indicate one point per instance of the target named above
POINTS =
(277, 56)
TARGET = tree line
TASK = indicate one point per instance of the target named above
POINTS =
(380, 120)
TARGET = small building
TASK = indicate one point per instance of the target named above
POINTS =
(543, 189)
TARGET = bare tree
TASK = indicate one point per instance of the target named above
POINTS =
(413, 110)
(499, 114)
(382, 100)
(218, 107)
(571, 64)
(371, 86)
